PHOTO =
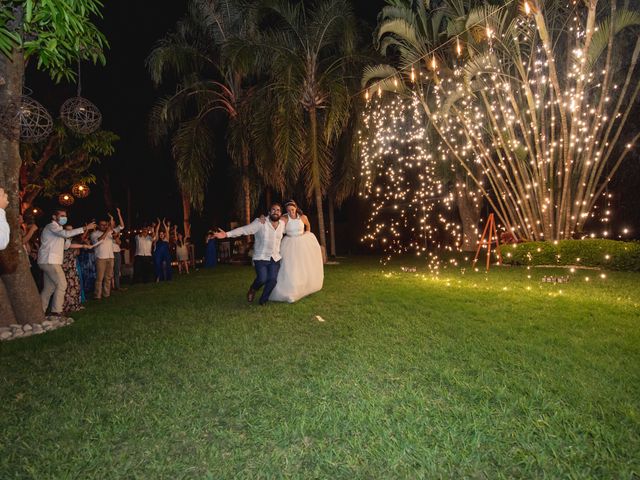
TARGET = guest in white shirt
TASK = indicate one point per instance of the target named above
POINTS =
(5, 232)
(266, 253)
(117, 255)
(143, 261)
(50, 255)
(104, 256)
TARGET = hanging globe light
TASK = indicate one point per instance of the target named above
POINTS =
(80, 190)
(35, 211)
(80, 115)
(66, 199)
(35, 122)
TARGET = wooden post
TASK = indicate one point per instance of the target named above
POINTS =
(487, 235)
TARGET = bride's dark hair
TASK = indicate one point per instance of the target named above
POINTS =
(293, 202)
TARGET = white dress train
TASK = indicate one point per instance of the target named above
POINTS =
(301, 268)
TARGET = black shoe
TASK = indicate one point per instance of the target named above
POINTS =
(251, 294)
(263, 302)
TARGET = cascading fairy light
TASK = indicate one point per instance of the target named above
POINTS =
(542, 138)
(407, 198)
(538, 111)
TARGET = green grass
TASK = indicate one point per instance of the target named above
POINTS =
(467, 376)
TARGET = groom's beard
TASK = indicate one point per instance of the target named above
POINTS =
(274, 217)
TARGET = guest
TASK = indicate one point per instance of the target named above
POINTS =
(73, 293)
(87, 264)
(27, 231)
(117, 255)
(182, 252)
(104, 256)
(211, 256)
(4, 226)
(161, 256)
(50, 256)
(143, 260)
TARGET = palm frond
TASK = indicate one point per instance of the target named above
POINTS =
(620, 20)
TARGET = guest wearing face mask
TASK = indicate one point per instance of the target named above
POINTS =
(50, 256)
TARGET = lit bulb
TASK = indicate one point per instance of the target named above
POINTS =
(458, 47)
(527, 8)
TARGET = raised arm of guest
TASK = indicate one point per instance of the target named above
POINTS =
(120, 226)
(156, 231)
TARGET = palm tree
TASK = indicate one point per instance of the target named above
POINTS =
(305, 53)
(537, 95)
(407, 31)
(206, 85)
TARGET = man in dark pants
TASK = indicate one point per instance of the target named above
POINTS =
(143, 262)
(266, 251)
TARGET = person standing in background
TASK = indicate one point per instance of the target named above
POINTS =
(5, 232)
(143, 260)
(117, 255)
(104, 256)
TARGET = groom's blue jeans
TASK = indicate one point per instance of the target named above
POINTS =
(267, 275)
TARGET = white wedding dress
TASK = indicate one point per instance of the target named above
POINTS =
(301, 269)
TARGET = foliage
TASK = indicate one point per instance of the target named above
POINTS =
(609, 254)
(408, 377)
(57, 33)
(206, 85)
(306, 53)
(538, 97)
(65, 158)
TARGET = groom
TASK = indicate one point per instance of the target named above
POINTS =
(266, 251)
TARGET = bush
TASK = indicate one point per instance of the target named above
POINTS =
(610, 254)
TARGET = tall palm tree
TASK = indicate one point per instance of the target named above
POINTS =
(305, 52)
(538, 96)
(407, 31)
(206, 85)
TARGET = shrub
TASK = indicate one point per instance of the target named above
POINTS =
(610, 254)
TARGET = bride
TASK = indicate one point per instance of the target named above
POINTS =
(301, 270)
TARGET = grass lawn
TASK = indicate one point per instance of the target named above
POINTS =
(467, 376)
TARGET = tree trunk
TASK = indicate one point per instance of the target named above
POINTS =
(246, 188)
(469, 212)
(7, 317)
(317, 188)
(186, 214)
(19, 290)
(106, 191)
(268, 197)
(332, 228)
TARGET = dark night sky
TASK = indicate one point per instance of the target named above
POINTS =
(122, 90)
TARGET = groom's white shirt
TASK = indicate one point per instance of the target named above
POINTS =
(268, 239)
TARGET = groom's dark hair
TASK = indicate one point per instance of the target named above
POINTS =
(275, 204)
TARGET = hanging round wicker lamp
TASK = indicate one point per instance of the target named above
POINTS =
(66, 199)
(80, 190)
(35, 122)
(79, 114)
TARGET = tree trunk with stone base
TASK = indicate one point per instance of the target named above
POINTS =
(18, 294)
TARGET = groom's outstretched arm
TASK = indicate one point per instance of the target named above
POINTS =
(250, 229)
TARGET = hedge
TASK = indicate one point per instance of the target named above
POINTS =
(610, 254)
